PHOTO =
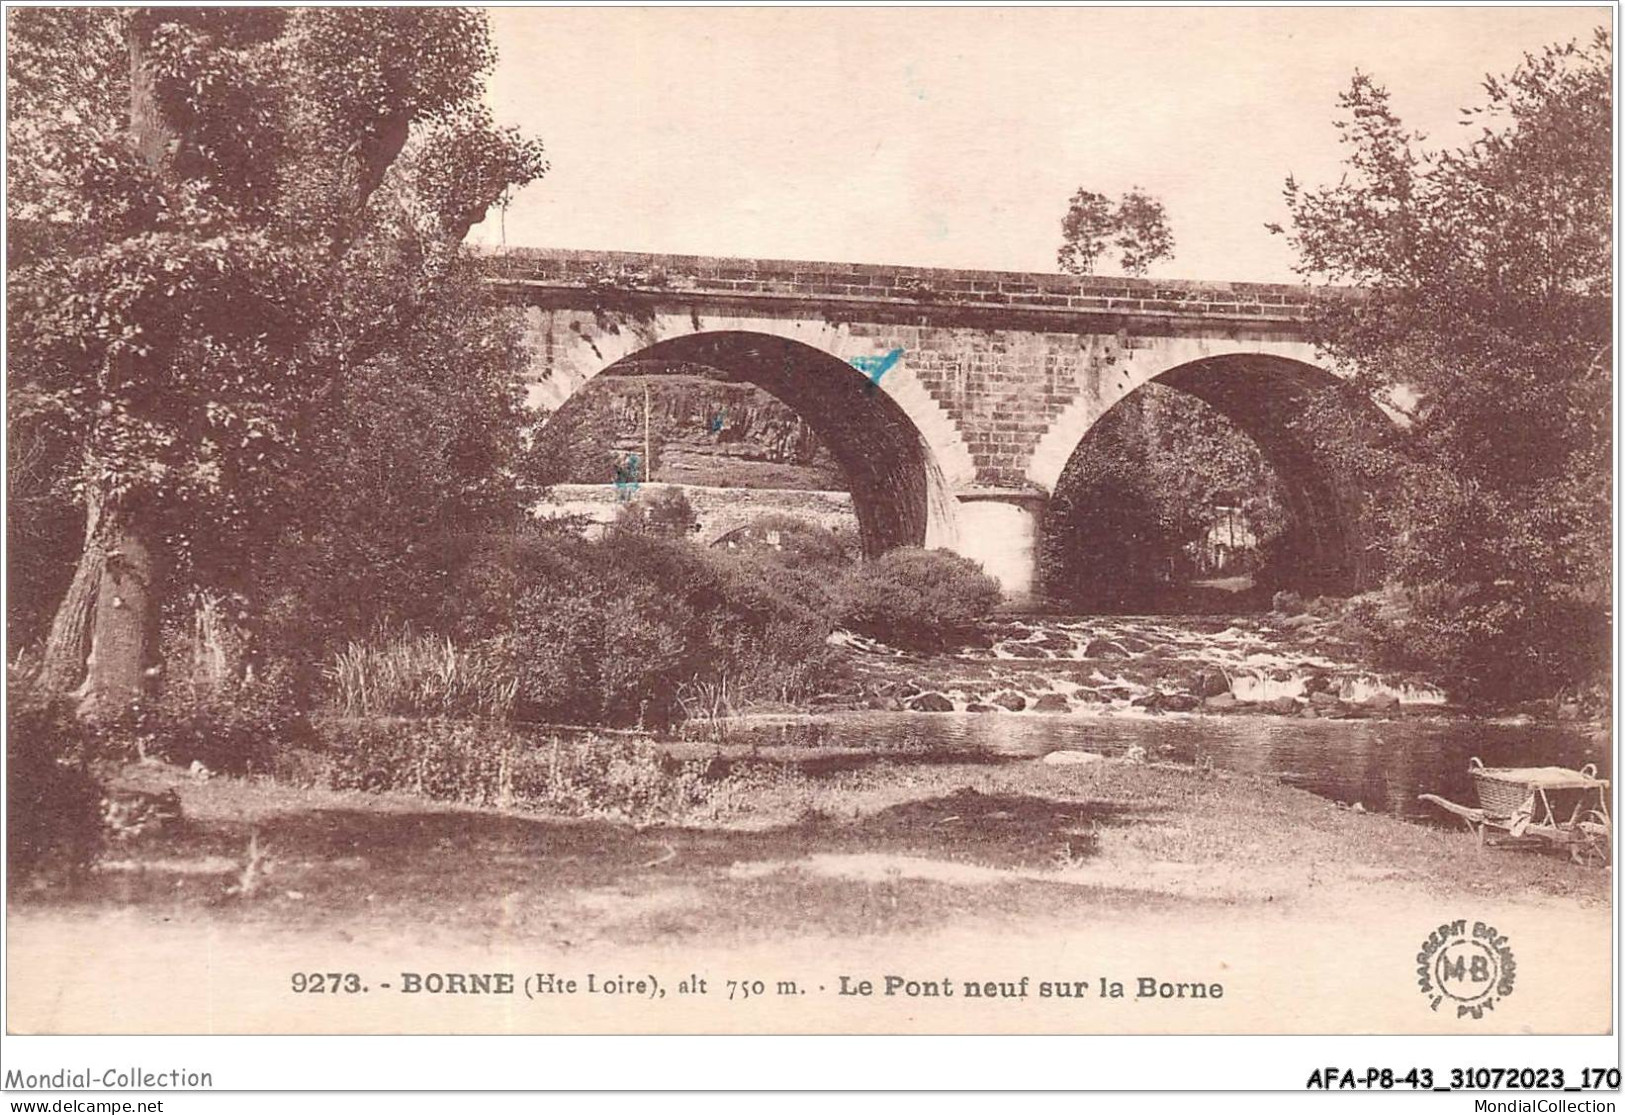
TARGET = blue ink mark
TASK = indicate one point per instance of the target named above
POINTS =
(915, 86)
(718, 419)
(876, 366)
(628, 477)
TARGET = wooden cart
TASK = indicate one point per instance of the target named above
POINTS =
(1561, 807)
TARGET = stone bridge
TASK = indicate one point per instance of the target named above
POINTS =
(953, 400)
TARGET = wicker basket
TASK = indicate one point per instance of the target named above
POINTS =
(1502, 793)
(1498, 797)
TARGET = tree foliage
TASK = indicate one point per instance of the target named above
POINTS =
(912, 597)
(661, 513)
(1136, 227)
(1141, 488)
(1484, 285)
(1142, 236)
(419, 455)
(1086, 232)
(198, 239)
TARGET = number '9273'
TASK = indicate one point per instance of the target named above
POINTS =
(328, 983)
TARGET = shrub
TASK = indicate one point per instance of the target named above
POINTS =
(662, 512)
(408, 674)
(235, 725)
(490, 764)
(915, 598)
(602, 657)
(781, 619)
(53, 811)
(798, 543)
(1484, 645)
(614, 631)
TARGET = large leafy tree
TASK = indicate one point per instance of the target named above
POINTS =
(197, 233)
(1484, 287)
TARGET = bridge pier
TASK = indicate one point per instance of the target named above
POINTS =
(999, 528)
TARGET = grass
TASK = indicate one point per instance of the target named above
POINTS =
(858, 846)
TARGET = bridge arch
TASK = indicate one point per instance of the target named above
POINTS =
(900, 493)
(1264, 394)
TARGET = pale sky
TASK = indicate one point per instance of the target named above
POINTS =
(953, 137)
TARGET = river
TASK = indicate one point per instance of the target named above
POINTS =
(1383, 765)
(1032, 685)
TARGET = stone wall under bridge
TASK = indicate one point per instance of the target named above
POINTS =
(719, 512)
(952, 400)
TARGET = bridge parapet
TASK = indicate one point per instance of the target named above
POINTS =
(1258, 305)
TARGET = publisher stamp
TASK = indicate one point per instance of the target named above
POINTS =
(1468, 969)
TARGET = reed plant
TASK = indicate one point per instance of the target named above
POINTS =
(413, 674)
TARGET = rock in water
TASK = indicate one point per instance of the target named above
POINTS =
(1052, 702)
(931, 702)
(1072, 758)
(1015, 702)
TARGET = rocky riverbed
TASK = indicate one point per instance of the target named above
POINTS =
(1285, 666)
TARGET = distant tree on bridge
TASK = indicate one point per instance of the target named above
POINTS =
(1085, 232)
(1142, 236)
(200, 254)
(1136, 227)
(1486, 275)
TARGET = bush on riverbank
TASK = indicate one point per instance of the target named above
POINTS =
(664, 513)
(614, 631)
(798, 544)
(638, 628)
(233, 725)
(915, 598)
(1484, 647)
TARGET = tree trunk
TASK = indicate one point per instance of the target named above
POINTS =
(103, 647)
(68, 645)
(124, 654)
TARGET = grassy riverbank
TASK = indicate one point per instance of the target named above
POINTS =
(853, 846)
(799, 876)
